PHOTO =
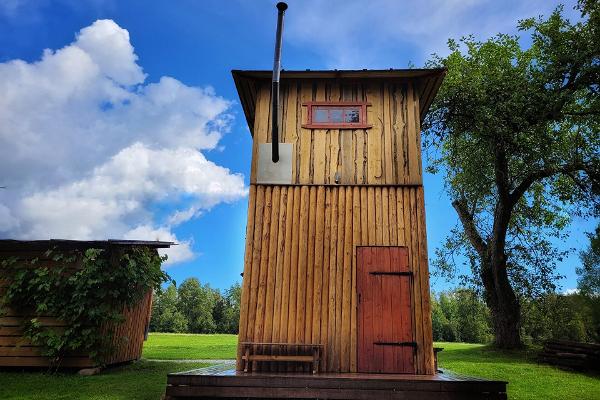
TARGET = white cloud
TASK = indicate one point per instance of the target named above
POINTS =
(99, 205)
(181, 252)
(88, 149)
(358, 34)
(117, 61)
(7, 220)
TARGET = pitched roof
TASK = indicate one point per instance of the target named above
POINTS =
(428, 83)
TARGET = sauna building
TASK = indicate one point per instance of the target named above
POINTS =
(336, 251)
(335, 295)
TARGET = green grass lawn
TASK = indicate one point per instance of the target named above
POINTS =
(146, 379)
(526, 378)
(143, 380)
(170, 346)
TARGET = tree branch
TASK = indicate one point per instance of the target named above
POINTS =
(468, 223)
(529, 180)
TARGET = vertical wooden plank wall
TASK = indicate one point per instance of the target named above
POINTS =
(299, 282)
(318, 303)
(389, 153)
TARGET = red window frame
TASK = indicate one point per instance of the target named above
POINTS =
(362, 119)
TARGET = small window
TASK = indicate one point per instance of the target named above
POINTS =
(343, 115)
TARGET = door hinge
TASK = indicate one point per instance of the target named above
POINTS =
(404, 273)
(409, 344)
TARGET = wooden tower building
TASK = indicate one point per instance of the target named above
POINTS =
(336, 252)
(335, 278)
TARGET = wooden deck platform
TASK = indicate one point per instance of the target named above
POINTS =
(222, 382)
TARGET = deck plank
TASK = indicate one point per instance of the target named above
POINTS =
(222, 381)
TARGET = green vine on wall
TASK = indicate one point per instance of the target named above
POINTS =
(86, 289)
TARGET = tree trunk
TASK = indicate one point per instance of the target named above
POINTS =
(502, 302)
(499, 294)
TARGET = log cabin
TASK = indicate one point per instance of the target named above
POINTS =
(17, 350)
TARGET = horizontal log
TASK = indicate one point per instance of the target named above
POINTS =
(569, 344)
(15, 341)
(25, 351)
(11, 330)
(18, 330)
(572, 351)
(70, 362)
(21, 321)
(566, 362)
(20, 351)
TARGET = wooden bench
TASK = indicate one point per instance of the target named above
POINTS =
(254, 351)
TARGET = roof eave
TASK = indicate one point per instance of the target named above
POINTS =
(245, 83)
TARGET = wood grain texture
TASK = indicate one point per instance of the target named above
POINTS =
(318, 229)
(128, 339)
(349, 188)
(388, 153)
(385, 304)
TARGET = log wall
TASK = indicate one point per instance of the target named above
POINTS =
(18, 351)
(299, 281)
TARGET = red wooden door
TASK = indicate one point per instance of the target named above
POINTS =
(385, 327)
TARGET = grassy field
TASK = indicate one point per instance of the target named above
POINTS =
(146, 379)
(143, 380)
(526, 379)
(169, 346)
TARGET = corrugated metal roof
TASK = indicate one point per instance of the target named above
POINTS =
(428, 83)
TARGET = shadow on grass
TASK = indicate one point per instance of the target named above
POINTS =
(464, 352)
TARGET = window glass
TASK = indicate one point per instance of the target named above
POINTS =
(320, 115)
(331, 115)
(336, 115)
(352, 115)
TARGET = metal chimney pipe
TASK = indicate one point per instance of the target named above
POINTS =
(281, 7)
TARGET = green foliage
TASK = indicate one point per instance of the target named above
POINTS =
(515, 132)
(522, 123)
(165, 315)
(86, 290)
(460, 316)
(589, 272)
(196, 303)
(567, 317)
(196, 308)
(229, 322)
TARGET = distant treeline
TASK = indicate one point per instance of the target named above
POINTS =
(196, 308)
(462, 316)
(457, 316)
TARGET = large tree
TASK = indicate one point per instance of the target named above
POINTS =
(588, 282)
(197, 302)
(516, 132)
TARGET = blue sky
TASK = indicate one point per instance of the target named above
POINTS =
(131, 127)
